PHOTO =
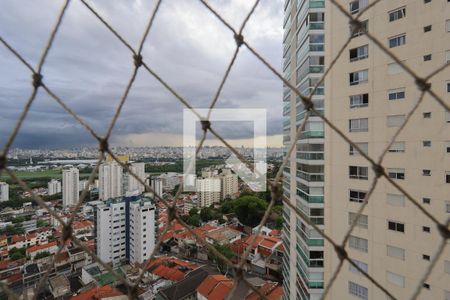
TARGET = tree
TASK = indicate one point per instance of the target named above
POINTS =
(17, 253)
(226, 251)
(193, 211)
(41, 223)
(206, 214)
(194, 220)
(249, 210)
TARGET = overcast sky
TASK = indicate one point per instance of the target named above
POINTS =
(89, 68)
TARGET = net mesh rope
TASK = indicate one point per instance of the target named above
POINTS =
(274, 185)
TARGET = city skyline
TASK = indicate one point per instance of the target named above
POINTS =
(91, 82)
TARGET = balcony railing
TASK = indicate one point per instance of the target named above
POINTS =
(312, 134)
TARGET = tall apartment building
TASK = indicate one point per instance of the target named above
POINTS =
(4, 191)
(54, 187)
(70, 182)
(157, 185)
(367, 95)
(125, 229)
(303, 66)
(208, 191)
(229, 184)
(110, 180)
(133, 183)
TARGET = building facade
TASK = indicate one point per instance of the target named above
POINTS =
(371, 95)
(110, 180)
(125, 230)
(208, 191)
(133, 184)
(303, 66)
(367, 95)
(54, 187)
(229, 184)
(70, 182)
(4, 191)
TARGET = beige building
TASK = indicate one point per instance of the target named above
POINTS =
(229, 184)
(208, 191)
(367, 95)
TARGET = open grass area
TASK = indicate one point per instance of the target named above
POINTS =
(38, 174)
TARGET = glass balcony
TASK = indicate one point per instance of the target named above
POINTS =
(316, 3)
(315, 242)
(310, 155)
(311, 134)
(310, 198)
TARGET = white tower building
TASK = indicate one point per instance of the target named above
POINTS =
(133, 183)
(4, 191)
(70, 182)
(54, 187)
(110, 180)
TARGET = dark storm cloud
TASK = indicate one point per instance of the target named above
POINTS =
(89, 68)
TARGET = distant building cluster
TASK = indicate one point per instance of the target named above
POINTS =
(216, 184)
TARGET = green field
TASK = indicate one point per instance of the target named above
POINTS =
(38, 174)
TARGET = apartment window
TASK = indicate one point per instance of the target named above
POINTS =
(360, 100)
(395, 200)
(426, 143)
(426, 200)
(396, 173)
(358, 172)
(363, 266)
(426, 172)
(426, 257)
(447, 177)
(358, 125)
(358, 243)
(398, 40)
(427, 28)
(396, 279)
(447, 147)
(357, 5)
(394, 68)
(395, 252)
(396, 226)
(363, 29)
(359, 196)
(426, 285)
(363, 220)
(447, 207)
(396, 94)
(359, 53)
(427, 115)
(426, 1)
(363, 146)
(358, 291)
(426, 229)
(358, 77)
(427, 57)
(397, 14)
(448, 91)
(397, 147)
(395, 120)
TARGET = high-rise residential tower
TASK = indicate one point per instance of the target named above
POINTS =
(110, 180)
(54, 187)
(367, 95)
(4, 191)
(133, 184)
(125, 230)
(303, 66)
(70, 182)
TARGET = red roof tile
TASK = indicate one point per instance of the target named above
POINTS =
(215, 287)
(105, 291)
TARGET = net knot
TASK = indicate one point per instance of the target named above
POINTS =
(444, 231)
(341, 252)
(137, 58)
(378, 169)
(239, 38)
(205, 125)
(66, 232)
(36, 80)
(309, 105)
(355, 26)
(103, 145)
(422, 84)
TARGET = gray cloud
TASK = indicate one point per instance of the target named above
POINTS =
(89, 68)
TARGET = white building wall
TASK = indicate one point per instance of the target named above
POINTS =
(133, 183)
(142, 231)
(54, 187)
(70, 182)
(229, 185)
(110, 180)
(4, 191)
(208, 191)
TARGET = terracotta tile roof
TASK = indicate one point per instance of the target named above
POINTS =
(63, 256)
(4, 264)
(171, 268)
(17, 238)
(271, 290)
(215, 287)
(105, 291)
(275, 232)
(41, 247)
